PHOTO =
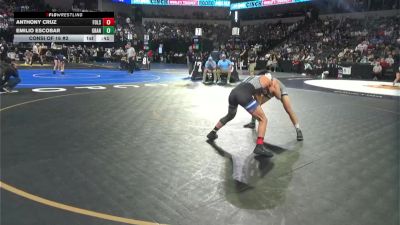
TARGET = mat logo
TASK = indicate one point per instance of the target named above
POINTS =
(121, 86)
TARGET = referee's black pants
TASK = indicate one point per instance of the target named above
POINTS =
(131, 64)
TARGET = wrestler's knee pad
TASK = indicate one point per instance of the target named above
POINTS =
(231, 114)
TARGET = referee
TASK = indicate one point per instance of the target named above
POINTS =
(252, 61)
(36, 51)
(131, 54)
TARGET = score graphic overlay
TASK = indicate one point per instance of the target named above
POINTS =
(64, 27)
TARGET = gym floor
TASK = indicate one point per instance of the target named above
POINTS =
(138, 155)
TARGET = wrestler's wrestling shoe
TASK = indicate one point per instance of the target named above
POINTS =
(261, 150)
(250, 125)
(212, 136)
(299, 134)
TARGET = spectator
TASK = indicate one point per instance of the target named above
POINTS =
(118, 54)
(28, 57)
(389, 60)
(150, 55)
(333, 68)
(308, 67)
(107, 56)
(3, 51)
(12, 55)
(384, 65)
(319, 67)
(377, 70)
(397, 76)
(274, 62)
(48, 55)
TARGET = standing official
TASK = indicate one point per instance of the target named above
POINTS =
(131, 54)
(190, 60)
(244, 59)
(35, 51)
(252, 62)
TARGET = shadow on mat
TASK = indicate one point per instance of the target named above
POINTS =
(219, 150)
(259, 182)
(246, 168)
(276, 149)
